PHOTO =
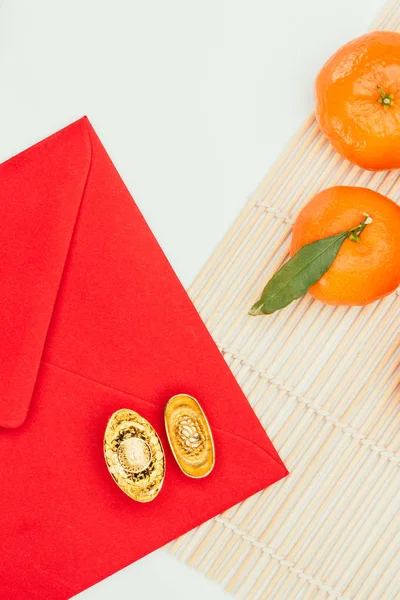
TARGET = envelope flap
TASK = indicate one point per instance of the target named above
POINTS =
(40, 195)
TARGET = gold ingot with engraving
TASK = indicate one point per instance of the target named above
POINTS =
(134, 455)
(189, 436)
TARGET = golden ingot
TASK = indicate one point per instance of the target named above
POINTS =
(189, 436)
(134, 455)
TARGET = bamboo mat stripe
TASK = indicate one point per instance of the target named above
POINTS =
(323, 381)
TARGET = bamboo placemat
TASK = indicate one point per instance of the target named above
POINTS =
(322, 380)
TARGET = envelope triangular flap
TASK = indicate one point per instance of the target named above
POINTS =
(123, 318)
(40, 195)
(86, 287)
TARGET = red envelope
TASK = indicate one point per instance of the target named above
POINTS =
(93, 319)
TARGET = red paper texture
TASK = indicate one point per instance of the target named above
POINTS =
(93, 319)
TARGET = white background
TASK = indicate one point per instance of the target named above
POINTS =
(194, 100)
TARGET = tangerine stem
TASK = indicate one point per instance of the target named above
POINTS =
(354, 233)
(385, 99)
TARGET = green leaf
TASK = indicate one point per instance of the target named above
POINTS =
(295, 277)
